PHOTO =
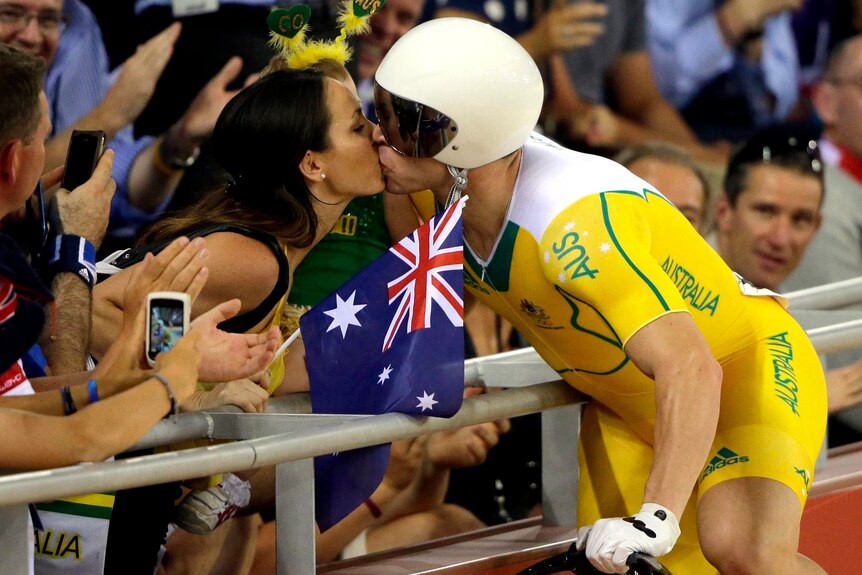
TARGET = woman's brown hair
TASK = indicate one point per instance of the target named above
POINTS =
(259, 139)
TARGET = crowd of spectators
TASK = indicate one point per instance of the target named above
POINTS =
(743, 113)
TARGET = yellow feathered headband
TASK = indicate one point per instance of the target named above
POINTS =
(288, 26)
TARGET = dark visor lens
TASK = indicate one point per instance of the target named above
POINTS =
(411, 128)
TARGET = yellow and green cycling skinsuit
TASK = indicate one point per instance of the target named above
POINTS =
(590, 254)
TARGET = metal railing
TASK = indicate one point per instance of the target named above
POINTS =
(828, 296)
(288, 437)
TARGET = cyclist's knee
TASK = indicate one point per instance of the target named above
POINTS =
(746, 554)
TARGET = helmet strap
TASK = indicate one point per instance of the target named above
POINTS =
(459, 184)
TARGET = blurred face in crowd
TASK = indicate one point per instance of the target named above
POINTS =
(838, 99)
(393, 21)
(33, 26)
(765, 234)
(678, 184)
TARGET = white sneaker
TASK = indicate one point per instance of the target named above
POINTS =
(202, 511)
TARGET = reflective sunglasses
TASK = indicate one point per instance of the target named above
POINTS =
(777, 147)
(411, 128)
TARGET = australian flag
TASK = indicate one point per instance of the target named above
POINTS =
(390, 339)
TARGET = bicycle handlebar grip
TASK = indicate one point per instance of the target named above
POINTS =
(642, 564)
(576, 562)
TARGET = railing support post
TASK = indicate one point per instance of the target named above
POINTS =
(14, 539)
(560, 429)
(294, 516)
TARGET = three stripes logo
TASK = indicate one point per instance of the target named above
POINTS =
(723, 458)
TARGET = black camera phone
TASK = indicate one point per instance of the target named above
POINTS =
(85, 149)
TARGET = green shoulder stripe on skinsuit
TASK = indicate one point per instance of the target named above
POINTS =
(616, 242)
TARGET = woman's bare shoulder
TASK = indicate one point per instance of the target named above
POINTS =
(239, 267)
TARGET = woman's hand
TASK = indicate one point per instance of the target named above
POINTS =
(243, 393)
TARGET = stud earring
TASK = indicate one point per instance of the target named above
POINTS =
(322, 176)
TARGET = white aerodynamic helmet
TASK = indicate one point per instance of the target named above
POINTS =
(459, 91)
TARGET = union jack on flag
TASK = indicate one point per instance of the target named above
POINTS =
(428, 255)
(361, 361)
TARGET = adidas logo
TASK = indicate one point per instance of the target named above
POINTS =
(84, 274)
(723, 458)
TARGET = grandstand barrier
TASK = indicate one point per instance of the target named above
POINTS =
(288, 436)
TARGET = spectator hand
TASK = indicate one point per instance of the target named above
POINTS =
(566, 26)
(262, 378)
(124, 364)
(230, 356)
(755, 12)
(243, 393)
(52, 178)
(405, 459)
(609, 542)
(597, 126)
(844, 386)
(180, 364)
(178, 267)
(137, 80)
(84, 211)
(737, 18)
(199, 119)
(467, 446)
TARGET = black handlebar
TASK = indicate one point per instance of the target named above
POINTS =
(573, 561)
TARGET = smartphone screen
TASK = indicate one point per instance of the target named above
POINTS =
(166, 325)
(85, 149)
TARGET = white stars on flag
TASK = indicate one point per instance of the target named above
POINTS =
(384, 375)
(344, 314)
(426, 401)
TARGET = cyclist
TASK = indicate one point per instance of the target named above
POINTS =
(708, 401)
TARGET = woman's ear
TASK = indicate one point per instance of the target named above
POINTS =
(311, 167)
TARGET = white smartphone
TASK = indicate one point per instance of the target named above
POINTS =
(167, 321)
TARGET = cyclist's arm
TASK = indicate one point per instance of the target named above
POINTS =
(688, 389)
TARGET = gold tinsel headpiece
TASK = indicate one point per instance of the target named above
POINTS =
(288, 27)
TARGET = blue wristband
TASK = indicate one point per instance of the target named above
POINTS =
(92, 391)
(73, 254)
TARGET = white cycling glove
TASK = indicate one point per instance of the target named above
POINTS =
(653, 530)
